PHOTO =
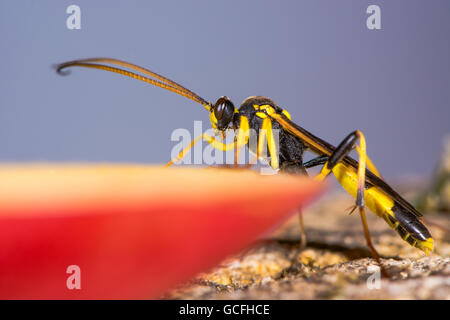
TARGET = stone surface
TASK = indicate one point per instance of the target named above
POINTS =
(335, 264)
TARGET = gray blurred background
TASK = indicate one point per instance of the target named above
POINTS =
(315, 58)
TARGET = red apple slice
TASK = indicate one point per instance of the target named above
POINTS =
(133, 231)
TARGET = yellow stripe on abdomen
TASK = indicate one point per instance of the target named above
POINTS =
(375, 199)
(382, 205)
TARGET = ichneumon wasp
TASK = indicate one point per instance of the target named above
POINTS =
(264, 116)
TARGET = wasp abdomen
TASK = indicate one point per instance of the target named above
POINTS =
(399, 218)
(410, 228)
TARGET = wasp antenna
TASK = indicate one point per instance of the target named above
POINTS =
(59, 70)
(158, 80)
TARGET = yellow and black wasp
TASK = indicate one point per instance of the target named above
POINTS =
(263, 116)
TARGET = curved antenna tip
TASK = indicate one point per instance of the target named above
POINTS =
(59, 68)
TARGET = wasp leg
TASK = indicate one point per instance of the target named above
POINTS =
(320, 160)
(211, 140)
(241, 138)
(183, 152)
(240, 141)
(262, 138)
(339, 153)
(369, 163)
(266, 130)
(303, 241)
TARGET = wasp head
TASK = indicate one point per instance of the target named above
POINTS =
(222, 114)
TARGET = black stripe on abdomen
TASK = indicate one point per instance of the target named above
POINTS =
(409, 223)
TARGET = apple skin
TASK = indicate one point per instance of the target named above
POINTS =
(133, 231)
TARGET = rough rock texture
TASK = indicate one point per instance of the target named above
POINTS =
(335, 264)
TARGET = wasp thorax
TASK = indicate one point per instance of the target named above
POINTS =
(223, 112)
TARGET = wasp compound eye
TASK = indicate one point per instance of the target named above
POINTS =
(223, 111)
(218, 111)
